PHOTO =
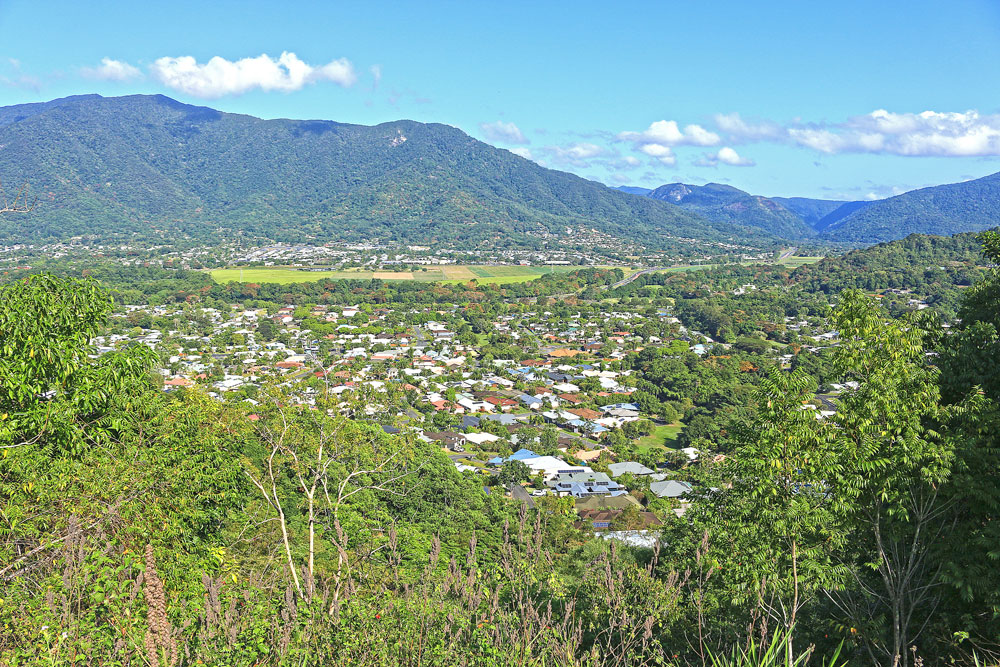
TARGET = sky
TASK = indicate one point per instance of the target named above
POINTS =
(834, 100)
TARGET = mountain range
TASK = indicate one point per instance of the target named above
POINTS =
(149, 167)
(152, 167)
(943, 210)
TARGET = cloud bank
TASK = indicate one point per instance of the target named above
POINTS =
(659, 139)
(506, 133)
(725, 155)
(112, 70)
(925, 134)
(220, 77)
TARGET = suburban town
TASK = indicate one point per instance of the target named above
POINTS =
(537, 404)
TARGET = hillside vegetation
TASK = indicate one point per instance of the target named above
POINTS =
(149, 167)
(944, 209)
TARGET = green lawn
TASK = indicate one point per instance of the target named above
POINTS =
(662, 437)
(451, 273)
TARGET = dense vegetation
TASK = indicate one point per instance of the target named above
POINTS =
(151, 167)
(721, 202)
(944, 209)
(970, 206)
(138, 527)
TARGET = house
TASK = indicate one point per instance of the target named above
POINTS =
(670, 489)
(549, 466)
(173, 383)
(603, 519)
(629, 467)
(530, 402)
(482, 438)
(606, 502)
(449, 439)
(583, 484)
(519, 455)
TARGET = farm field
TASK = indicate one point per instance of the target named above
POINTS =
(447, 274)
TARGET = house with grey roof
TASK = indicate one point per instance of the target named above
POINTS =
(584, 484)
(670, 488)
(630, 467)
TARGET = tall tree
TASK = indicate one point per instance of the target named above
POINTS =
(893, 464)
(776, 526)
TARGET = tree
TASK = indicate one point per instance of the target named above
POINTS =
(265, 329)
(891, 470)
(20, 202)
(52, 390)
(776, 526)
(548, 440)
(337, 466)
(513, 472)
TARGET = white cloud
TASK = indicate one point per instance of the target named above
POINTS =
(725, 155)
(24, 82)
(523, 152)
(658, 140)
(376, 71)
(507, 133)
(668, 133)
(219, 77)
(930, 133)
(737, 129)
(579, 154)
(112, 70)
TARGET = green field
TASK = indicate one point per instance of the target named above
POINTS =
(796, 262)
(662, 437)
(451, 273)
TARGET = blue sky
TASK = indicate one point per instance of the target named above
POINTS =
(823, 99)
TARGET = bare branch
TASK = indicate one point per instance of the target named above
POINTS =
(20, 202)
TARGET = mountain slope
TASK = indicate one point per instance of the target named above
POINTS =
(943, 209)
(811, 211)
(725, 203)
(152, 167)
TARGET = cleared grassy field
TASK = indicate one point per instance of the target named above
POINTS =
(448, 274)
(662, 437)
(796, 262)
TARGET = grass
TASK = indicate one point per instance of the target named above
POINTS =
(796, 262)
(662, 437)
(451, 274)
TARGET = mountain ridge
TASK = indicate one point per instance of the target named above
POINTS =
(152, 166)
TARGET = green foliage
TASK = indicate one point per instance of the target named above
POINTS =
(513, 472)
(728, 204)
(944, 209)
(51, 391)
(151, 167)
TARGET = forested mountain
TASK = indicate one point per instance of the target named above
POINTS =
(149, 165)
(943, 209)
(721, 202)
(632, 190)
(812, 211)
(839, 213)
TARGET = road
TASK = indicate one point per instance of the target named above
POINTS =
(635, 275)
(787, 253)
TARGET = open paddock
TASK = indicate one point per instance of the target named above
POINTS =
(449, 273)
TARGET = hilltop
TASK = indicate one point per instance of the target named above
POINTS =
(151, 167)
